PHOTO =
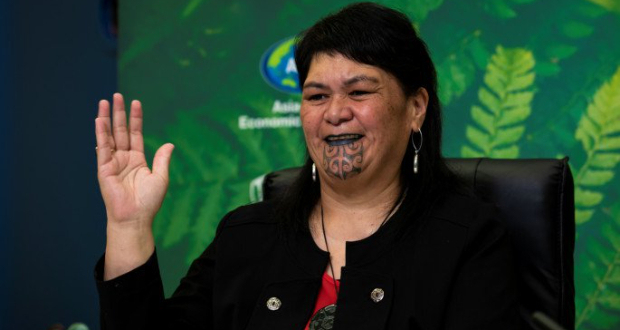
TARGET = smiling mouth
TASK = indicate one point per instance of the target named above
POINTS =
(342, 139)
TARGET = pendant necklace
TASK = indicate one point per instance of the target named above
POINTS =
(323, 319)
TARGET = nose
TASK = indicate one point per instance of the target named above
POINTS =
(338, 112)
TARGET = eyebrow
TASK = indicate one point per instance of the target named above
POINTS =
(359, 78)
(313, 84)
(347, 83)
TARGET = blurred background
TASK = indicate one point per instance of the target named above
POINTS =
(518, 79)
(57, 59)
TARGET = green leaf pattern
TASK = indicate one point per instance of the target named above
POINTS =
(599, 289)
(503, 8)
(457, 71)
(598, 132)
(505, 103)
(611, 5)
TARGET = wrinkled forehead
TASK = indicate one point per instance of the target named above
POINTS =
(335, 67)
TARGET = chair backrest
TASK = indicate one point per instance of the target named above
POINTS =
(535, 200)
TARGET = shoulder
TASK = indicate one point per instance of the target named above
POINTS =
(252, 217)
(257, 213)
(246, 232)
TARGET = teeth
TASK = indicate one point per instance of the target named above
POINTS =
(343, 137)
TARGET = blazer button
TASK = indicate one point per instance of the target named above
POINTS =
(274, 304)
(377, 295)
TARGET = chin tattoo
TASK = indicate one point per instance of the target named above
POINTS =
(343, 161)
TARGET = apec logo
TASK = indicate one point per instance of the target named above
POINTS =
(278, 66)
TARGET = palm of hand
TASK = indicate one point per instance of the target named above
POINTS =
(130, 187)
(131, 191)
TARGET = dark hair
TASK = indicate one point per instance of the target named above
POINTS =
(372, 34)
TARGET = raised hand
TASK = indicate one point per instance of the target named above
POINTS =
(131, 191)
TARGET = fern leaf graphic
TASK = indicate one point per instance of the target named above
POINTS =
(598, 130)
(457, 71)
(505, 103)
(598, 287)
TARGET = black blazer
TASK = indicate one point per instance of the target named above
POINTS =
(451, 270)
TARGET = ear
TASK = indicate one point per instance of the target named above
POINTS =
(417, 104)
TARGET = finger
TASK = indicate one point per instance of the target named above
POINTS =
(161, 162)
(104, 149)
(119, 123)
(104, 109)
(104, 114)
(136, 141)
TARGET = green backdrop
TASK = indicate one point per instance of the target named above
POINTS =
(518, 79)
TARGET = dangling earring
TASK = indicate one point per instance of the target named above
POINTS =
(417, 150)
(313, 172)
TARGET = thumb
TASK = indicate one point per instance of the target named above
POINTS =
(161, 161)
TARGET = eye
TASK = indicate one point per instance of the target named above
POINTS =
(359, 93)
(316, 97)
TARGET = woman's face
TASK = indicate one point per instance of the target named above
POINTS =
(356, 118)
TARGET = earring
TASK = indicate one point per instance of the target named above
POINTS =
(313, 172)
(416, 149)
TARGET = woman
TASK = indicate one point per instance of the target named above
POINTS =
(374, 207)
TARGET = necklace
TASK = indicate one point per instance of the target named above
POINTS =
(331, 266)
(323, 319)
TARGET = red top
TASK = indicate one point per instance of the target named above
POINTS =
(327, 295)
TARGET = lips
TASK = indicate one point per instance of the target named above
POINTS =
(342, 139)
